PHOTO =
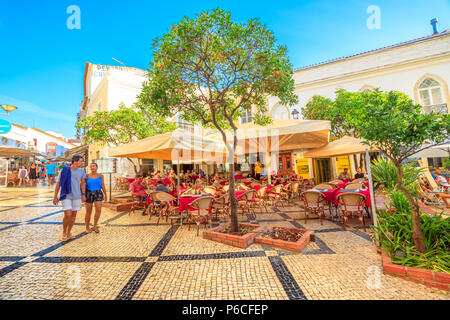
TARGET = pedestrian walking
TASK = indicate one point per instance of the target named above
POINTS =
(50, 171)
(95, 194)
(23, 173)
(71, 182)
(32, 174)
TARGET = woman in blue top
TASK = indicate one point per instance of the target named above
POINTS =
(95, 193)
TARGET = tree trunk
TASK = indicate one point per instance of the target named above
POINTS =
(417, 233)
(233, 200)
(136, 171)
(362, 158)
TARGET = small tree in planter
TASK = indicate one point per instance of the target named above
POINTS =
(122, 126)
(393, 124)
(389, 122)
(210, 69)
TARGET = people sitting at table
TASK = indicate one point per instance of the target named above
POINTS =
(200, 180)
(440, 180)
(137, 189)
(345, 175)
(360, 174)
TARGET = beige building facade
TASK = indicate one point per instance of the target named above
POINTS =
(420, 68)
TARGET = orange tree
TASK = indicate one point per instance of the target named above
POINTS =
(389, 122)
(209, 69)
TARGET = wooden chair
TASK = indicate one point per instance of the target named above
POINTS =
(226, 188)
(210, 190)
(137, 204)
(153, 207)
(165, 208)
(202, 211)
(274, 194)
(245, 204)
(241, 186)
(314, 203)
(353, 185)
(359, 180)
(294, 190)
(260, 199)
(430, 197)
(221, 206)
(13, 179)
(285, 193)
(336, 181)
(324, 186)
(189, 191)
(351, 203)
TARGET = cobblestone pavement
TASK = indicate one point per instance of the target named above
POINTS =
(133, 258)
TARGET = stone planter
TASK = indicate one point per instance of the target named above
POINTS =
(233, 240)
(297, 246)
(429, 278)
(119, 207)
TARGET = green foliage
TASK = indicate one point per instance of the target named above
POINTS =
(321, 108)
(122, 126)
(399, 201)
(210, 68)
(394, 234)
(385, 173)
(446, 163)
(387, 121)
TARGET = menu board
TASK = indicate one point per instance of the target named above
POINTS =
(106, 165)
(302, 168)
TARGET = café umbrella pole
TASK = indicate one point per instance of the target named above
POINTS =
(178, 186)
(372, 195)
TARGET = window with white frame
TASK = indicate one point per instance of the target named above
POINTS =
(430, 95)
(280, 112)
(246, 116)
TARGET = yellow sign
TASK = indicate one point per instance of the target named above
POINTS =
(302, 168)
(343, 162)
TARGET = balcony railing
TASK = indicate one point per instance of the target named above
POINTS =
(436, 108)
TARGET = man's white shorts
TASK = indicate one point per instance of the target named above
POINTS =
(71, 204)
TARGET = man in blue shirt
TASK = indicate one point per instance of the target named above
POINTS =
(72, 184)
(50, 170)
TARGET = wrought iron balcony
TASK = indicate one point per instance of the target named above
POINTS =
(436, 108)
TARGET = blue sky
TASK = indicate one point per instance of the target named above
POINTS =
(43, 61)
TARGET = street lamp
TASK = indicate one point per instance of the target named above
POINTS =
(8, 108)
(295, 114)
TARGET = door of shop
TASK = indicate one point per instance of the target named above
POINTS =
(285, 164)
(322, 172)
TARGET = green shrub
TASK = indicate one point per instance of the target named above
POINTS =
(394, 234)
(385, 173)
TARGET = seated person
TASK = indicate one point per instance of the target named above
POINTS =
(345, 175)
(440, 180)
(359, 174)
(216, 178)
(160, 186)
(137, 189)
(200, 180)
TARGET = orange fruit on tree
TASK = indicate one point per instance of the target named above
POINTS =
(276, 73)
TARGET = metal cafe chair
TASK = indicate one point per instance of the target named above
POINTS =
(314, 204)
(166, 209)
(221, 206)
(351, 203)
(245, 203)
(201, 213)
